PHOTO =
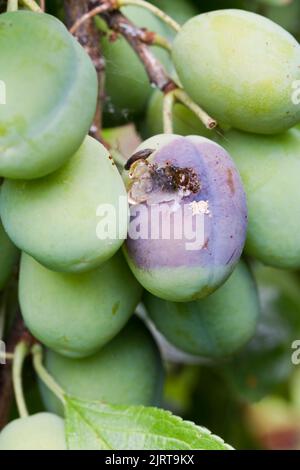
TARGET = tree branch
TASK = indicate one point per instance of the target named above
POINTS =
(136, 37)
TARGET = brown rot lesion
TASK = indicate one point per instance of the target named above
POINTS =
(154, 183)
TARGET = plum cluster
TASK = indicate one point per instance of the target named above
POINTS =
(196, 201)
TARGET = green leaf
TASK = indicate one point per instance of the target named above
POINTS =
(98, 426)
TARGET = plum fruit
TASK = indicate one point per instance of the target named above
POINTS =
(76, 314)
(269, 167)
(124, 70)
(8, 257)
(185, 122)
(42, 431)
(49, 86)
(55, 218)
(127, 371)
(179, 10)
(213, 327)
(245, 78)
(265, 363)
(188, 216)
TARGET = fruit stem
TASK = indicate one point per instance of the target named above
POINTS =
(37, 353)
(6, 356)
(168, 103)
(21, 351)
(208, 121)
(12, 5)
(32, 5)
(156, 11)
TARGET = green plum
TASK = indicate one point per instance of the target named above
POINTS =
(55, 219)
(76, 314)
(214, 327)
(265, 362)
(48, 94)
(185, 122)
(127, 84)
(269, 167)
(42, 431)
(8, 256)
(246, 77)
(127, 371)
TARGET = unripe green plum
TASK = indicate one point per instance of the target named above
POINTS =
(127, 84)
(127, 371)
(265, 362)
(185, 122)
(214, 327)
(76, 314)
(55, 218)
(269, 167)
(42, 431)
(8, 256)
(49, 86)
(245, 78)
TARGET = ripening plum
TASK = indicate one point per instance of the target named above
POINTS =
(269, 167)
(127, 371)
(8, 256)
(246, 77)
(76, 314)
(42, 431)
(55, 219)
(127, 84)
(214, 327)
(188, 216)
(49, 87)
(185, 122)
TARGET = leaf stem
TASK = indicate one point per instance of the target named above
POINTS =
(12, 5)
(168, 103)
(156, 11)
(37, 353)
(21, 351)
(32, 5)
(182, 96)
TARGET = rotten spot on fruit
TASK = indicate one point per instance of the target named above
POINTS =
(154, 183)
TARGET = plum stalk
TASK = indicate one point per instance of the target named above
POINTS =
(20, 353)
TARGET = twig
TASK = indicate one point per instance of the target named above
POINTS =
(43, 4)
(155, 71)
(89, 15)
(89, 37)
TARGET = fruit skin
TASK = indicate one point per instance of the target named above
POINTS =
(124, 70)
(44, 120)
(76, 314)
(245, 77)
(185, 122)
(42, 431)
(54, 219)
(168, 268)
(265, 363)
(214, 327)
(8, 256)
(269, 167)
(127, 371)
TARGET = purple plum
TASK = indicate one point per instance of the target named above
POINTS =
(188, 216)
